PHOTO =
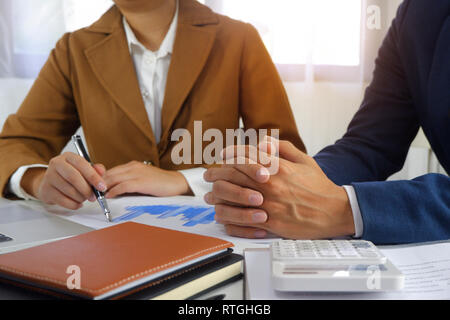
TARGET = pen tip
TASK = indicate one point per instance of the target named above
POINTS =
(108, 216)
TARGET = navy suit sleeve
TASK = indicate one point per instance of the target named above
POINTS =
(378, 137)
(405, 211)
(375, 146)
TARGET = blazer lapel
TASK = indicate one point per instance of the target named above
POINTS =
(195, 37)
(111, 63)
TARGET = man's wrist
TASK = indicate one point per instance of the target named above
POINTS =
(357, 217)
(346, 224)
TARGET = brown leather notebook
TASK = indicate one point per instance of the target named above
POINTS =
(111, 262)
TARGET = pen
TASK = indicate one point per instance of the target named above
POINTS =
(217, 297)
(76, 139)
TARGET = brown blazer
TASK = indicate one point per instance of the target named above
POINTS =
(220, 71)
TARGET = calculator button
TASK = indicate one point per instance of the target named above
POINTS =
(368, 254)
(348, 254)
(360, 244)
(309, 254)
(328, 254)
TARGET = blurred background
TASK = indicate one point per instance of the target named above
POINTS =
(323, 49)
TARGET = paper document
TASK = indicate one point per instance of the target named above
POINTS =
(183, 213)
(125, 209)
(426, 269)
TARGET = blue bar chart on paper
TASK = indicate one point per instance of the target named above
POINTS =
(193, 215)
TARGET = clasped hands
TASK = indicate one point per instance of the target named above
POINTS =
(297, 202)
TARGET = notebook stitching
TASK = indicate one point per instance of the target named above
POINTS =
(138, 275)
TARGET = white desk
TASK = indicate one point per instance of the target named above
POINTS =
(233, 291)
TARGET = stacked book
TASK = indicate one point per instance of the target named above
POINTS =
(125, 261)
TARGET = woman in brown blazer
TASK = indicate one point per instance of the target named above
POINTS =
(219, 72)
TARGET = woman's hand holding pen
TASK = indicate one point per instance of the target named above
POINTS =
(68, 179)
(137, 177)
(66, 182)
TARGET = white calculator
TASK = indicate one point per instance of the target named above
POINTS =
(331, 266)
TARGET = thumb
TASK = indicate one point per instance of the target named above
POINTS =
(288, 151)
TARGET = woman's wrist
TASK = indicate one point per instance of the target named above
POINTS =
(181, 184)
(31, 181)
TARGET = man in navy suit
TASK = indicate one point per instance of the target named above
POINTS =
(342, 191)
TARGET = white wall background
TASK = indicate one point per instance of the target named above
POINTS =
(322, 110)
